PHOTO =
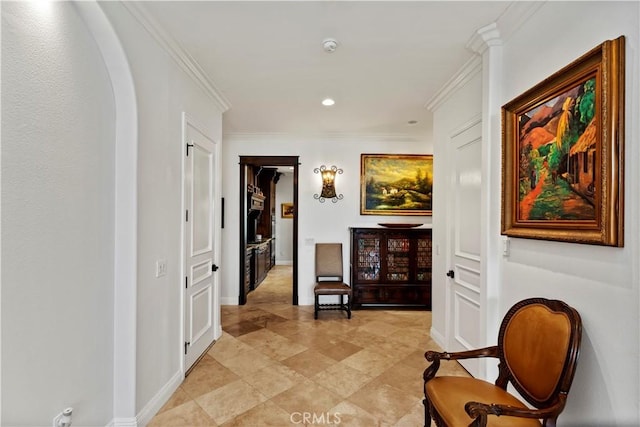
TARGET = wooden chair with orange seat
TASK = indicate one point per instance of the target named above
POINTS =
(329, 278)
(538, 347)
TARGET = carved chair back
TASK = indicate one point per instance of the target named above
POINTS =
(538, 346)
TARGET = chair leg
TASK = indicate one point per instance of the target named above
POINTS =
(427, 415)
(345, 306)
(316, 307)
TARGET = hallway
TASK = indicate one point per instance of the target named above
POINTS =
(275, 365)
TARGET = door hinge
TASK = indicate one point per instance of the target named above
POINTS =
(188, 146)
(186, 344)
(214, 267)
(186, 282)
(186, 216)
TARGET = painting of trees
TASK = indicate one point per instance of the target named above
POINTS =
(395, 184)
(562, 153)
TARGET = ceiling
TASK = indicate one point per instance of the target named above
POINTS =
(267, 59)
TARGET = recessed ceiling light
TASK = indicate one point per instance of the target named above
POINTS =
(328, 102)
(329, 45)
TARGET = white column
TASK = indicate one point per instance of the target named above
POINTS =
(488, 44)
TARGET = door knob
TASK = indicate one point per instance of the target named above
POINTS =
(450, 273)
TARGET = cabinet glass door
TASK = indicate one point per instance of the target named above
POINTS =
(368, 258)
(423, 265)
(398, 259)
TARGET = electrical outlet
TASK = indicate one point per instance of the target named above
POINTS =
(63, 419)
(161, 267)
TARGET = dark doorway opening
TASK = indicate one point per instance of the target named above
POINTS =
(250, 212)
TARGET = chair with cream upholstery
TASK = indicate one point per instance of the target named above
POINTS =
(329, 278)
(538, 347)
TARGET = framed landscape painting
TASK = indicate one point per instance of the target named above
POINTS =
(286, 210)
(563, 153)
(396, 184)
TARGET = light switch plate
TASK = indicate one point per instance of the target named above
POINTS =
(161, 267)
(506, 243)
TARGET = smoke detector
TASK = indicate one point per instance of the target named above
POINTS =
(329, 45)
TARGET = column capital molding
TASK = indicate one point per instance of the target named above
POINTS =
(485, 38)
(498, 32)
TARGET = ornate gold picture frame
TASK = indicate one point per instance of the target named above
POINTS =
(563, 153)
(286, 210)
(396, 184)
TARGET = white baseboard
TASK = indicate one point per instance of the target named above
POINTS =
(229, 300)
(123, 422)
(437, 337)
(284, 262)
(154, 405)
(306, 301)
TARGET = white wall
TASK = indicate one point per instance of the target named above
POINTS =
(163, 92)
(318, 222)
(284, 226)
(600, 282)
(58, 151)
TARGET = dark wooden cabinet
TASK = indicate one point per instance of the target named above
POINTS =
(391, 267)
(266, 220)
(261, 262)
(248, 271)
(272, 249)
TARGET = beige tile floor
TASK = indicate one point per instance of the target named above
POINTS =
(276, 366)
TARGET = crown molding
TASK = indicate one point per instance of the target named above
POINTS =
(494, 34)
(469, 70)
(498, 32)
(342, 136)
(181, 57)
(516, 15)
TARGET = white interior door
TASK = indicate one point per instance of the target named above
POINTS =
(463, 285)
(199, 281)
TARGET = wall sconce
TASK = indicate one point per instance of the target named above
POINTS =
(328, 184)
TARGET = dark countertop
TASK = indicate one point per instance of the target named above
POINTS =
(261, 242)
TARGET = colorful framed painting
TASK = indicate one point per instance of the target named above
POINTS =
(286, 210)
(563, 153)
(396, 184)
